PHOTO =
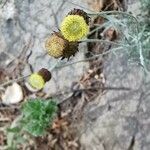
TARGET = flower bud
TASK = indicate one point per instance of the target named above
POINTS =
(38, 80)
(57, 46)
(74, 28)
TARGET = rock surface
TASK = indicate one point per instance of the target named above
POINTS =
(119, 119)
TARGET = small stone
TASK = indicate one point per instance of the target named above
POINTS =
(96, 76)
(13, 94)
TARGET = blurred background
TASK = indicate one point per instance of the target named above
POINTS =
(104, 100)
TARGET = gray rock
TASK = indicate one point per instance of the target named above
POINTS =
(119, 119)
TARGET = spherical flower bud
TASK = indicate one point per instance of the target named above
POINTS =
(38, 80)
(67, 49)
(74, 28)
(55, 45)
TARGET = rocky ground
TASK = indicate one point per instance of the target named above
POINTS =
(119, 119)
(115, 118)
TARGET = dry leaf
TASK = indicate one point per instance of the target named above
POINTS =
(96, 5)
(111, 34)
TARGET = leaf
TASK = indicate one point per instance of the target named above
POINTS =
(38, 114)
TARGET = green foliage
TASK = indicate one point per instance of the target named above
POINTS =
(38, 115)
(134, 36)
(145, 30)
(145, 11)
(145, 5)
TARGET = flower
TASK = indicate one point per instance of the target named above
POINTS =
(74, 27)
(57, 46)
(36, 81)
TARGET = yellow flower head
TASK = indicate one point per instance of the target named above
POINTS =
(55, 45)
(74, 27)
(36, 81)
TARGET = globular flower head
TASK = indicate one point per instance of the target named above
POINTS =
(55, 45)
(74, 27)
(36, 81)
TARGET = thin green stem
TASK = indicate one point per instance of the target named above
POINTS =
(104, 13)
(88, 59)
(62, 66)
(98, 27)
(103, 41)
(26, 76)
(112, 12)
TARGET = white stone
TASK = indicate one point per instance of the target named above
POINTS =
(13, 94)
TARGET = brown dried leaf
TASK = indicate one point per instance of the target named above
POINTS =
(96, 5)
(111, 34)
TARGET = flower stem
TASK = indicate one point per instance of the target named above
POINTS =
(103, 41)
